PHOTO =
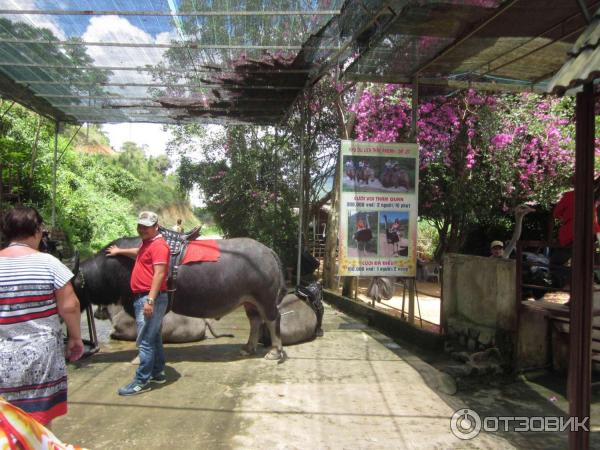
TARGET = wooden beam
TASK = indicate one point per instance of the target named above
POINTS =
(121, 12)
(14, 91)
(523, 86)
(580, 352)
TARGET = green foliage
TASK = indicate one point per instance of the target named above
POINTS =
(92, 217)
(151, 187)
(427, 239)
(98, 196)
(246, 175)
(88, 134)
(204, 215)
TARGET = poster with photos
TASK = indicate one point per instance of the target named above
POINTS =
(378, 209)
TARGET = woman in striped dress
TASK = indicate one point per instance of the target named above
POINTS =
(35, 291)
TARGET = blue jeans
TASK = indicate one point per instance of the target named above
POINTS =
(152, 354)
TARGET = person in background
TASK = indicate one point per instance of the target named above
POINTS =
(564, 211)
(497, 249)
(149, 286)
(35, 293)
(178, 227)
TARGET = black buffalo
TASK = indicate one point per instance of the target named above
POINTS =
(247, 273)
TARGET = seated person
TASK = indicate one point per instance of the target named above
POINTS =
(497, 249)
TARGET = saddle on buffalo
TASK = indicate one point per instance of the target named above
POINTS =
(185, 249)
(313, 296)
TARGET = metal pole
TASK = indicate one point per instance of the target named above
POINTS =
(412, 281)
(411, 300)
(54, 167)
(301, 196)
(415, 109)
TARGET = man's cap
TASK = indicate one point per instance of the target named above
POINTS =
(497, 244)
(147, 218)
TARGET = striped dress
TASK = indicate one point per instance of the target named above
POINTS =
(33, 374)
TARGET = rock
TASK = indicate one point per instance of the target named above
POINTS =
(446, 383)
(461, 356)
(452, 334)
(489, 356)
(486, 337)
(471, 345)
(496, 369)
(473, 333)
(458, 371)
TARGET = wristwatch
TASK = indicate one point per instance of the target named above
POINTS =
(150, 301)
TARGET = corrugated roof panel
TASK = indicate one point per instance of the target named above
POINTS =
(517, 42)
(583, 65)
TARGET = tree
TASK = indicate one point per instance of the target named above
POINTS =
(247, 176)
(98, 195)
(480, 155)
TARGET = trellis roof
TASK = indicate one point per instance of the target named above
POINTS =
(162, 60)
(179, 61)
(486, 44)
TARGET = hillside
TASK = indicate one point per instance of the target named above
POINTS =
(169, 214)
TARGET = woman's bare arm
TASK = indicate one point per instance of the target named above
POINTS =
(68, 309)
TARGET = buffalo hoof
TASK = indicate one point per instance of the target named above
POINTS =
(247, 350)
(101, 313)
(274, 354)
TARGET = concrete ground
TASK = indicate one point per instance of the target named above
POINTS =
(354, 388)
(427, 302)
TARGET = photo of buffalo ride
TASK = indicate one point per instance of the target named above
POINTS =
(361, 238)
(378, 174)
(393, 233)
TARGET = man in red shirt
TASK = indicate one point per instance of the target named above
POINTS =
(565, 212)
(149, 286)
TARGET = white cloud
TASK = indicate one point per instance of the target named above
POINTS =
(34, 20)
(119, 29)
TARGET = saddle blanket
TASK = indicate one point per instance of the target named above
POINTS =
(202, 250)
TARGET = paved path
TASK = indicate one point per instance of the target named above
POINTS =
(352, 389)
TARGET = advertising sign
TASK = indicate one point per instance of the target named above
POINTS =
(378, 209)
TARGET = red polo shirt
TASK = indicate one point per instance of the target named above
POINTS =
(565, 211)
(152, 252)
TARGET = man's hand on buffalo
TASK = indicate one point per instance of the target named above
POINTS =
(113, 250)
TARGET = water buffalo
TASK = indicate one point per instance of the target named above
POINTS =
(351, 172)
(396, 177)
(247, 273)
(365, 174)
(299, 322)
(175, 327)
